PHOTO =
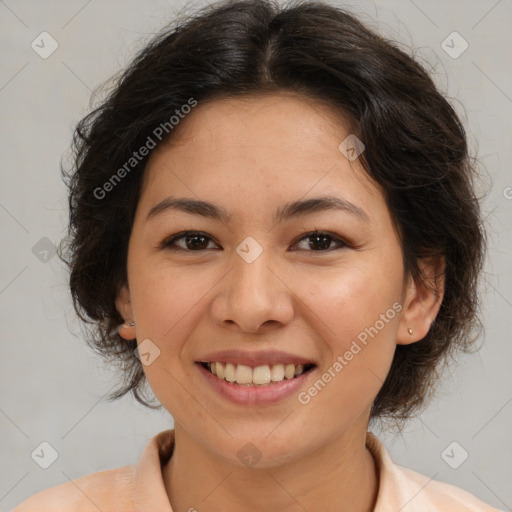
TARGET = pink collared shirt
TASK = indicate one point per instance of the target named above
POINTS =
(140, 488)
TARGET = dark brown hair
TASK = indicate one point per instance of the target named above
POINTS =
(416, 150)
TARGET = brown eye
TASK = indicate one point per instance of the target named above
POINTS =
(193, 241)
(320, 241)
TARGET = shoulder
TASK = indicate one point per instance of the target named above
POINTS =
(106, 490)
(442, 496)
(409, 491)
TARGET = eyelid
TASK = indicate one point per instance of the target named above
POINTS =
(343, 242)
(166, 244)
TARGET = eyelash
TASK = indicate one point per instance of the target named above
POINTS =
(168, 243)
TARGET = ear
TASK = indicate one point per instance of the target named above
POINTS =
(422, 300)
(124, 306)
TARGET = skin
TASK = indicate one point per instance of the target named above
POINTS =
(251, 156)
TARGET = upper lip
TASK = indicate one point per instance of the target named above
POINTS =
(254, 358)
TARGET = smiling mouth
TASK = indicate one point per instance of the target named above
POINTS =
(248, 376)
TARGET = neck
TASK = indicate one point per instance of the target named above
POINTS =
(340, 476)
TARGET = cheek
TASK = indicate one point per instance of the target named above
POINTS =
(353, 299)
(168, 305)
(168, 297)
(360, 305)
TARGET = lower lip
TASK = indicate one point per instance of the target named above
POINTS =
(252, 395)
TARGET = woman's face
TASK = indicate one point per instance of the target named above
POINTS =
(256, 288)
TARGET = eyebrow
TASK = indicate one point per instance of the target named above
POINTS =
(289, 210)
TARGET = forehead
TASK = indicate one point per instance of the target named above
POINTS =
(265, 149)
(236, 124)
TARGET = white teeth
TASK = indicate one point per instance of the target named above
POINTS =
(277, 372)
(299, 369)
(229, 372)
(260, 375)
(289, 371)
(243, 374)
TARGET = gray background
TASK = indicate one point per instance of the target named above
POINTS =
(52, 385)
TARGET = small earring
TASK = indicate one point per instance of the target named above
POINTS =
(410, 331)
(126, 325)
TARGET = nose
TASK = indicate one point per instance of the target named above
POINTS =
(253, 296)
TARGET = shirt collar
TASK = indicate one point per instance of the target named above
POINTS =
(149, 487)
(150, 493)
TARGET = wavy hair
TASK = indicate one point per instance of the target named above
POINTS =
(416, 150)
